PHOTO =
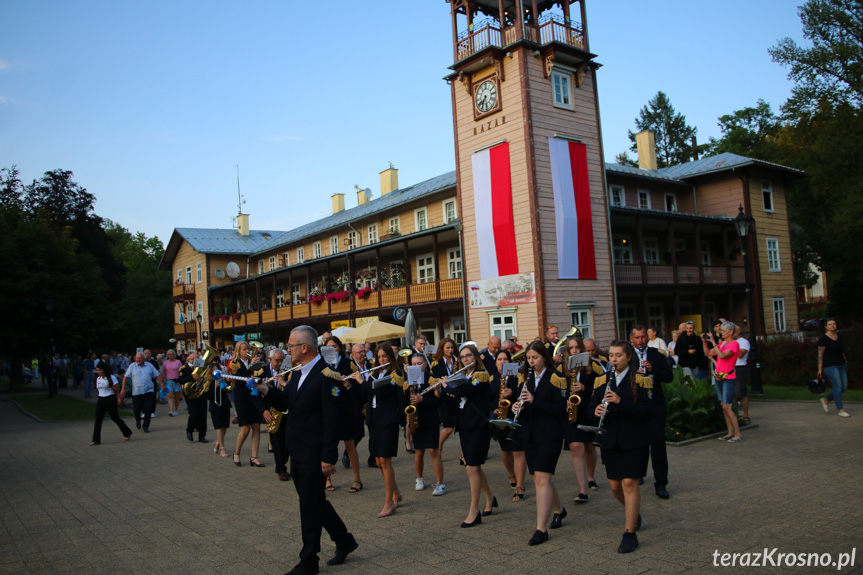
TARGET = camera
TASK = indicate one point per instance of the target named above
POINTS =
(705, 336)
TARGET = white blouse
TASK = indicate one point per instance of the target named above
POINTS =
(104, 387)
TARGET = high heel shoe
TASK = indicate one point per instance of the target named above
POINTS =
(476, 521)
(236, 460)
(253, 464)
(215, 449)
(493, 505)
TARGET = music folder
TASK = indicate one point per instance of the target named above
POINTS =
(578, 360)
(509, 369)
(382, 382)
(456, 380)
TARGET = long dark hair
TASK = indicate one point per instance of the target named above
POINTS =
(543, 351)
(633, 363)
(391, 356)
(564, 364)
(438, 356)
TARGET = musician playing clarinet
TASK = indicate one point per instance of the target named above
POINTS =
(312, 430)
(625, 395)
(542, 413)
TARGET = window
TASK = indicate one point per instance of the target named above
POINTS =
(425, 268)
(767, 195)
(453, 258)
(651, 251)
(705, 253)
(260, 266)
(316, 250)
(188, 275)
(618, 198)
(459, 330)
(580, 316)
(562, 84)
(295, 294)
(301, 255)
(670, 203)
(421, 219)
(773, 263)
(272, 263)
(502, 322)
(622, 250)
(679, 245)
(180, 317)
(368, 278)
(280, 297)
(200, 275)
(644, 199)
(334, 245)
(449, 214)
(190, 313)
(180, 275)
(395, 226)
(625, 320)
(200, 310)
(373, 234)
(779, 313)
(656, 317)
(286, 259)
(353, 240)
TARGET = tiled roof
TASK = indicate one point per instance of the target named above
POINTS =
(219, 241)
(356, 213)
(719, 163)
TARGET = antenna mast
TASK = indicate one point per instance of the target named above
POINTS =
(239, 196)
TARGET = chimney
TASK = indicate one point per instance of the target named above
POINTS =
(243, 224)
(389, 180)
(338, 203)
(646, 143)
(362, 195)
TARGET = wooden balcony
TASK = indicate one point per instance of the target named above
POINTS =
(184, 292)
(487, 33)
(657, 275)
(186, 329)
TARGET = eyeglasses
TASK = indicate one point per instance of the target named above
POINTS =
(464, 357)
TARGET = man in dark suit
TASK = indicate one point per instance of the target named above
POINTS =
(654, 364)
(277, 440)
(312, 430)
(488, 354)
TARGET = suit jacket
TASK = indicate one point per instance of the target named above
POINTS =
(312, 421)
(662, 373)
(474, 414)
(545, 417)
(627, 424)
(388, 401)
(488, 361)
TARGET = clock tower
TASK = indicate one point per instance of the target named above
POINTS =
(530, 171)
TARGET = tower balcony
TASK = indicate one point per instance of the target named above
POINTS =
(549, 28)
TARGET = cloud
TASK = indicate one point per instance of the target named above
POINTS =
(3, 64)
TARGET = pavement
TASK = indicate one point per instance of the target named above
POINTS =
(160, 504)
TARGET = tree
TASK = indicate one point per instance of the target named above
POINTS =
(750, 132)
(831, 70)
(11, 187)
(673, 135)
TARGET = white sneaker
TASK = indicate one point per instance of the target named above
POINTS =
(440, 489)
(420, 484)
(824, 404)
(153, 416)
(844, 413)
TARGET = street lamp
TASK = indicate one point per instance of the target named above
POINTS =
(200, 319)
(743, 224)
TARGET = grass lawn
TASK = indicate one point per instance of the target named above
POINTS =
(61, 408)
(801, 393)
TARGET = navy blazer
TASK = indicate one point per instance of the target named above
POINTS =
(312, 422)
(627, 423)
(390, 398)
(544, 418)
(474, 414)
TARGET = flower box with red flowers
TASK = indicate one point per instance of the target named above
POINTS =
(343, 295)
(318, 299)
(363, 293)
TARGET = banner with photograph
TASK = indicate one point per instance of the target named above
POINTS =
(502, 291)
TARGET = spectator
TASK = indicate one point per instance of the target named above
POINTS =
(142, 375)
(107, 387)
(656, 342)
(833, 363)
(741, 369)
(690, 352)
(724, 376)
(168, 376)
(89, 372)
(671, 345)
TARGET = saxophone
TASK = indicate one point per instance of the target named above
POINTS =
(502, 411)
(411, 412)
(574, 398)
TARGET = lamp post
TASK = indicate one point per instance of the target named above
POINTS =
(743, 224)
(200, 319)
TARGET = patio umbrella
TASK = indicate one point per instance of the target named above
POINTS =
(338, 332)
(374, 331)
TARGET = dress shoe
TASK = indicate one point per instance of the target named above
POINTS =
(284, 476)
(661, 492)
(538, 538)
(629, 543)
(303, 570)
(476, 521)
(493, 505)
(342, 554)
(557, 518)
(203, 440)
(138, 424)
(189, 436)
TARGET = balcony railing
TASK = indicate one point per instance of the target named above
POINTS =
(443, 290)
(184, 291)
(486, 33)
(186, 329)
(644, 274)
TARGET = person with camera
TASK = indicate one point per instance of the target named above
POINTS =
(726, 353)
(690, 352)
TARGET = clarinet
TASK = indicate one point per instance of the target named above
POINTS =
(531, 375)
(599, 430)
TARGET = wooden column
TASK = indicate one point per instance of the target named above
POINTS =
(673, 252)
(698, 253)
(275, 306)
(328, 287)
(351, 288)
(245, 304)
(291, 292)
(639, 236)
(584, 25)
(440, 324)
(309, 290)
(407, 268)
(726, 256)
(258, 301)
(454, 34)
(378, 274)
(436, 267)
(535, 12)
(501, 19)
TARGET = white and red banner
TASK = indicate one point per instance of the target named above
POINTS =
(495, 227)
(576, 258)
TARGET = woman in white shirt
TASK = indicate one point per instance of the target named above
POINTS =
(107, 386)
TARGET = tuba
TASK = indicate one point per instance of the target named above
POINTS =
(195, 389)
(571, 333)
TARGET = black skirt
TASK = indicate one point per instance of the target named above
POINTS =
(575, 435)
(448, 413)
(474, 445)
(626, 463)
(221, 416)
(427, 435)
(542, 456)
(384, 440)
(247, 414)
(515, 444)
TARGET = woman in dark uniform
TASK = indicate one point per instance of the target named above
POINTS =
(445, 364)
(427, 434)
(347, 400)
(384, 412)
(249, 418)
(220, 413)
(472, 425)
(580, 442)
(511, 446)
(627, 433)
(543, 417)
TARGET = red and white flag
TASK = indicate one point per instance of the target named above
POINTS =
(576, 258)
(495, 227)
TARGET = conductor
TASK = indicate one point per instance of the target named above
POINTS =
(312, 432)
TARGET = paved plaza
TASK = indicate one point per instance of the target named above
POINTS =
(160, 504)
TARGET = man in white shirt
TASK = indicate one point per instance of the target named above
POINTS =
(741, 369)
(656, 342)
(143, 375)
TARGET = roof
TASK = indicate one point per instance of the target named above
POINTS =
(642, 173)
(362, 211)
(722, 162)
(216, 241)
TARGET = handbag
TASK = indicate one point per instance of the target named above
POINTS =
(817, 385)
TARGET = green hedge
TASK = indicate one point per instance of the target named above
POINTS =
(788, 361)
(693, 409)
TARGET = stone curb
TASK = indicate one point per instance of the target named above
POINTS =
(22, 410)
(706, 437)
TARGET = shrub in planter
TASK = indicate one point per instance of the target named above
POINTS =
(693, 410)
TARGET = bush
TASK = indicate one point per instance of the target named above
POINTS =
(693, 410)
(788, 361)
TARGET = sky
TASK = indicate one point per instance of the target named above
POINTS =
(154, 105)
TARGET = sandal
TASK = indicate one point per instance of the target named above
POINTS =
(747, 421)
(354, 488)
(222, 452)
(518, 496)
(512, 481)
(329, 486)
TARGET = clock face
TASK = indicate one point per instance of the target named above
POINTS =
(486, 96)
